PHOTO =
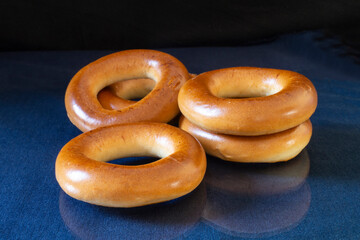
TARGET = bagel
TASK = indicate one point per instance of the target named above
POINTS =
(83, 174)
(274, 147)
(271, 101)
(118, 95)
(160, 105)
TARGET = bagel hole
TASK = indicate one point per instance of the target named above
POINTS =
(235, 92)
(244, 86)
(124, 93)
(134, 161)
(128, 147)
(133, 89)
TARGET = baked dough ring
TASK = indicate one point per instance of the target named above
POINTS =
(160, 105)
(279, 100)
(117, 95)
(274, 147)
(83, 174)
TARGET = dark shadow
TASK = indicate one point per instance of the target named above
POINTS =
(133, 161)
(335, 153)
(344, 40)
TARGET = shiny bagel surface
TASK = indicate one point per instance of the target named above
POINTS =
(82, 172)
(248, 101)
(160, 105)
(274, 147)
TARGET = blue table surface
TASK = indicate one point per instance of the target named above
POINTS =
(314, 196)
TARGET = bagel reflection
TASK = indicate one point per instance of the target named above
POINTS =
(257, 179)
(257, 200)
(166, 220)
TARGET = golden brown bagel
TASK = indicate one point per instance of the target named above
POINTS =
(274, 147)
(83, 174)
(277, 100)
(160, 105)
(118, 95)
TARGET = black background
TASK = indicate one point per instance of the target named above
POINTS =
(116, 25)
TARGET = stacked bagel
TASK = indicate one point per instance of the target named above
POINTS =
(247, 114)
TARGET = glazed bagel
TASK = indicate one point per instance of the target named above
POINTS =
(160, 105)
(272, 100)
(274, 147)
(118, 95)
(82, 172)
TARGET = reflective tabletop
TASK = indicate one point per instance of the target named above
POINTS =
(313, 196)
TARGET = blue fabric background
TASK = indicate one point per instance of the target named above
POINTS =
(234, 201)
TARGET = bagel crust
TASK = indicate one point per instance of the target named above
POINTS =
(271, 100)
(270, 148)
(82, 172)
(160, 105)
